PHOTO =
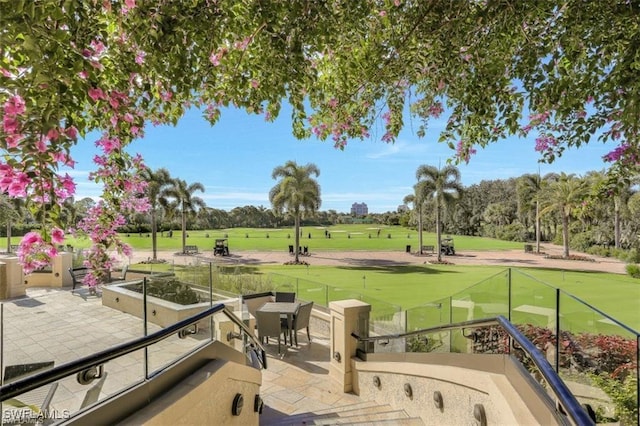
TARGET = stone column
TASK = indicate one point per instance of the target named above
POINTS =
(60, 268)
(347, 316)
(11, 279)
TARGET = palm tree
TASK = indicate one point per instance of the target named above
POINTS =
(446, 188)
(530, 186)
(296, 192)
(158, 182)
(564, 196)
(185, 202)
(422, 191)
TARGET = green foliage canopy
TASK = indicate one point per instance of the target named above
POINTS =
(565, 69)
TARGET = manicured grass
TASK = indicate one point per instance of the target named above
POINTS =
(415, 285)
(411, 286)
(343, 238)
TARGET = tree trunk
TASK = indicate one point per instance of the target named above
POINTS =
(438, 236)
(565, 234)
(296, 249)
(616, 222)
(154, 235)
(538, 226)
(184, 232)
(420, 228)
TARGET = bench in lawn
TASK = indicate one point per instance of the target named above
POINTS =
(430, 249)
(191, 249)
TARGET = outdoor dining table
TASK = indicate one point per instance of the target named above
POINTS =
(283, 308)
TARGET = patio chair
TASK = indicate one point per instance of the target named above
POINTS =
(301, 320)
(268, 324)
(285, 296)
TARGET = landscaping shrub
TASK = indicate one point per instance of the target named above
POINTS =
(609, 360)
(599, 250)
(633, 256)
(581, 242)
(633, 269)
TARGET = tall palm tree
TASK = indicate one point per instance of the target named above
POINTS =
(531, 187)
(447, 188)
(158, 182)
(185, 202)
(422, 191)
(296, 192)
(564, 196)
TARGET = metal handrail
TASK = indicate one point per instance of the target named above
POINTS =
(566, 399)
(26, 384)
(247, 331)
(445, 327)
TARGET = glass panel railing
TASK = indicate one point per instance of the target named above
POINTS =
(51, 327)
(429, 315)
(312, 292)
(486, 299)
(598, 360)
(111, 365)
(533, 302)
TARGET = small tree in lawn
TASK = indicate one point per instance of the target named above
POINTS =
(296, 192)
(158, 182)
(564, 196)
(446, 187)
(185, 202)
(422, 191)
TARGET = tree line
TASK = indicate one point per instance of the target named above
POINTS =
(562, 208)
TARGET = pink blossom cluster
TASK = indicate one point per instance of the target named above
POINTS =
(217, 55)
(35, 253)
(339, 127)
(13, 108)
(436, 109)
(545, 143)
(464, 151)
(625, 154)
(536, 120)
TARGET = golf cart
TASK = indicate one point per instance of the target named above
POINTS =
(446, 247)
(221, 248)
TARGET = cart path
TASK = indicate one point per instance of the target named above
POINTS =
(516, 258)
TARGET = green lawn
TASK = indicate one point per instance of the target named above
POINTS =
(343, 237)
(411, 286)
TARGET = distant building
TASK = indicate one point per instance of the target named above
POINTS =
(359, 209)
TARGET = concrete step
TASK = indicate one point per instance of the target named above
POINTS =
(409, 421)
(368, 412)
(372, 416)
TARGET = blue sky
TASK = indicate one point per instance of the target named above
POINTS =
(234, 160)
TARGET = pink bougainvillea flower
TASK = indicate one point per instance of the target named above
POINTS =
(140, 57)
(97, 46)
(14, 140)
(71, 132)
(57, 236)
(14, 106)
(10, 124)
(31, 238)
(96, 94)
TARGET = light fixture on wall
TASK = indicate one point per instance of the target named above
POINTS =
(238, 402)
